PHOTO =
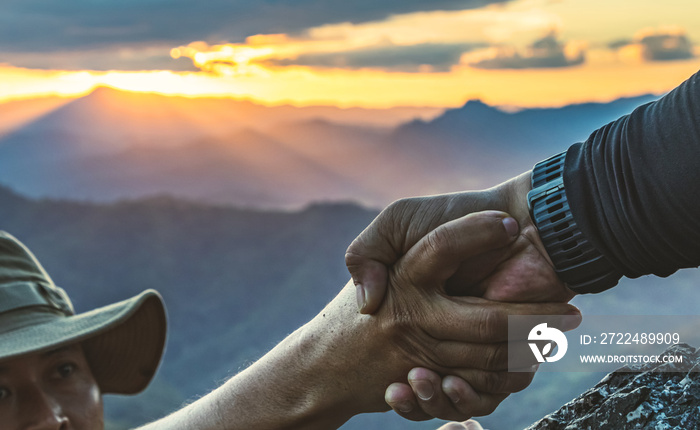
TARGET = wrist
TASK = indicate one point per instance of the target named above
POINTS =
(513, 195)
(330, 347)
(328, 363)
(318, 366)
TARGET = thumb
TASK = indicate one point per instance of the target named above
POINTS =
(370, 279)
(368, 258)
(437, 256)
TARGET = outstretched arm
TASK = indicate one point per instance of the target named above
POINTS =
(339, 364)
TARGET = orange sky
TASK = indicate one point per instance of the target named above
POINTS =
(371, 88)
(262, 68)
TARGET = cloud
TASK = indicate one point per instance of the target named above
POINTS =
(425, 41)
(661, 44)
(136, 57)
(547, 52)
(45, 25)
(415, 58)
(492, 24)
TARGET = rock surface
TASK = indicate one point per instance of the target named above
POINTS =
(652, 396)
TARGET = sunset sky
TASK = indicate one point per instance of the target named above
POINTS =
(362, 53)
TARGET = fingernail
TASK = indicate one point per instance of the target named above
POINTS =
(572, 320)
(472, 425)
(450, 391)
(424, 389)
(511, 226)
(360, 294)
(404, 407)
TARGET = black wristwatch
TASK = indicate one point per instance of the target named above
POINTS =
(576, 261)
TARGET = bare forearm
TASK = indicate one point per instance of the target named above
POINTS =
(294, 386)
(271, 394)
(339, 364)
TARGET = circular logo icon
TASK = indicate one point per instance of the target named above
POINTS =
(554, 336)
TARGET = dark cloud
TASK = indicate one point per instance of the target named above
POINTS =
(399, 58)
(108, 59)
(663, 44)
(665, 47)
(45, 25)
(547, 52)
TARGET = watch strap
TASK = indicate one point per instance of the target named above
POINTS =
(576, 261)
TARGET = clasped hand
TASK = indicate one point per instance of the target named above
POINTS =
(420, 325)
(516, 269)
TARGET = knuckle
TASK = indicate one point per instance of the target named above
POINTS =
(352, 255)
(489, 323)
(496, 357)
(441, 241)
(361, 249)
(357, 245)
(389, 220)
(489, 406)
(398, 207)
(443, 354)
(492, 382)
(394, 222)
(503, 382)
(518, 381)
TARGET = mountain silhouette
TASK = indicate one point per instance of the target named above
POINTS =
(112, 145)
(478, 145)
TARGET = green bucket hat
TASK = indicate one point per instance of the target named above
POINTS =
(123, 342)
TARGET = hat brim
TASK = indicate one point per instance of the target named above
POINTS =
(123, 342)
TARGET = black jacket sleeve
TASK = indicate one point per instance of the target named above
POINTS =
(634, 185)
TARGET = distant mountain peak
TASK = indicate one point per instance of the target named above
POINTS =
(476, 103)
(479, 106)
(475, 109)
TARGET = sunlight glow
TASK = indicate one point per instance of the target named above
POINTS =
(507, 60)
(597, 80)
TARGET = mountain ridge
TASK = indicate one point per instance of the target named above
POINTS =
(487, 145)
(113, 145)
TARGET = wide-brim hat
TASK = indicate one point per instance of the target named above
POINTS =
(123, 342)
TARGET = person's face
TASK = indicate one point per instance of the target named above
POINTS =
(54, 390)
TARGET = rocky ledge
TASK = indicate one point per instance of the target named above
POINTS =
(653, 396)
